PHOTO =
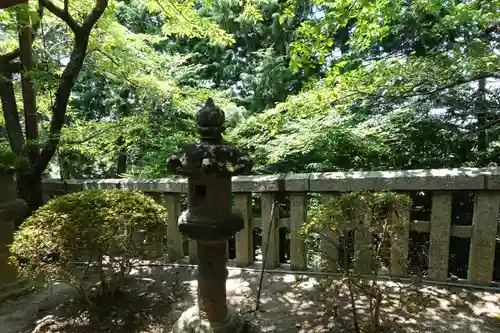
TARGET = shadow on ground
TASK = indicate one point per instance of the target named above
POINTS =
(144, 306)
(288, 303)
(294, 303)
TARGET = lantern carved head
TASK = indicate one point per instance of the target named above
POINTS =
(209, 165)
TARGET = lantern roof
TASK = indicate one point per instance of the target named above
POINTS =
(212, 155)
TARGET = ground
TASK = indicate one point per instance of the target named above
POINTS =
(289, 303)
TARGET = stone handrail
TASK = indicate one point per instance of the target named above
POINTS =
(485, 182)
(410, 180)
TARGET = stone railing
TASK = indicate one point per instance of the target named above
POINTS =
(295, 188)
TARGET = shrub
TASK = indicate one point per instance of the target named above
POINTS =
(105, 229)
(376, 219)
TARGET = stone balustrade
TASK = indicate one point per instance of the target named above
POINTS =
(296, 188)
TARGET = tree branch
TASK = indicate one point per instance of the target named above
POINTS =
(94, 135)
(5, 58)
(10, 3)
(451, 85)
(68, 80)
(175, 8)
(10, 112)
(12, 67)
(95, 14)
(62, 14)
(116, 63)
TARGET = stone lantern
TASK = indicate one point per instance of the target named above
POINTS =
(210, 220)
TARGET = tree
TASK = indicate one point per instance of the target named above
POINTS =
(66, 39)
(29, 179)
(159, 112)
(255, 68)
(403, 60)
(308, 85)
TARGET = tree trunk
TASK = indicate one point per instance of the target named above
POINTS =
(29, 178)
(29, 186)
(481, 113)
(121, 166)
(123, 111)
(29, 95)
(10, 112)
(30, 189)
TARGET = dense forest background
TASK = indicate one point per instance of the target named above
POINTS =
(306, 85)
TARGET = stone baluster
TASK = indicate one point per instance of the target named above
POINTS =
(439, 247)
(484, 234)
(298, 186)
(244, 237)
(400, 240)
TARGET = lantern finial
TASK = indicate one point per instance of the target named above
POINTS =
(210, 120)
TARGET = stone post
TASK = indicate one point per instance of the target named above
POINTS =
(11, 208)
(210, 220)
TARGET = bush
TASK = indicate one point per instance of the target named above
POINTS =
(376, 218)
(106, 230)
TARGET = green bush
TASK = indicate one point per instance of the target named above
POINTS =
(106, 230)
(377, 218)
(376, 212)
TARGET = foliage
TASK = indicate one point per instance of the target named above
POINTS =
(311, 85)
(91, 37)
(9, 160)
(156, 117)
(403, 77)
(154, 127)
(107, 229)
(377, 212)
(255, 67)
(374, 219)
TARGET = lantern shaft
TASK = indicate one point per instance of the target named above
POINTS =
(212, 274)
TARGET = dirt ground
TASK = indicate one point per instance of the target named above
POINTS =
(289, 303)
